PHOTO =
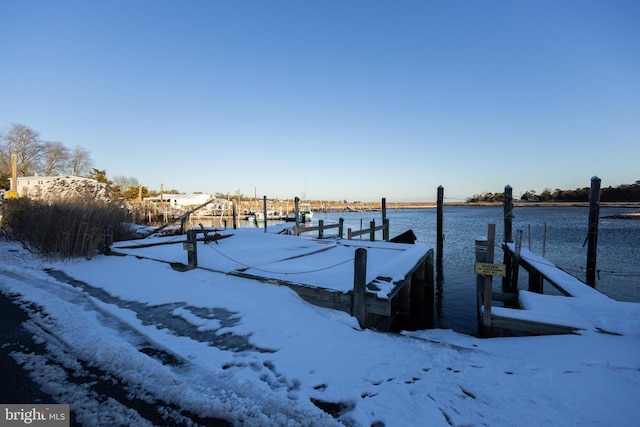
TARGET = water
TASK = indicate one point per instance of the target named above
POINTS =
(618, 256)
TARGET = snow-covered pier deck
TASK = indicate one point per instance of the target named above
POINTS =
(580, 307)
(399, 277)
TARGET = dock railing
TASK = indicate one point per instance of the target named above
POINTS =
(371, 231)
(320, 228)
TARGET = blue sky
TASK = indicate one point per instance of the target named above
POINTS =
(354, 100)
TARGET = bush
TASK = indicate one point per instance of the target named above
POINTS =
(64, 228)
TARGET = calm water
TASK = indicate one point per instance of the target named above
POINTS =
(618, 258)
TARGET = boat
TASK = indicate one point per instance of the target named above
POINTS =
(272, 215)
(305, 212)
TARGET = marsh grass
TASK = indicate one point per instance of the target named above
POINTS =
(64, 228)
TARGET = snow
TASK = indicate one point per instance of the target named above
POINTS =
(584, 308)
(569, 284)
(257, 354)
(317, 263)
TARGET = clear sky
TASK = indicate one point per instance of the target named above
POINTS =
(354, 100)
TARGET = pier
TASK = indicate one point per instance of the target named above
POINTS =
(580, 307)
(385, 285)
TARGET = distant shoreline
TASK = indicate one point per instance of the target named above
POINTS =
(422, 205)
(537, 204)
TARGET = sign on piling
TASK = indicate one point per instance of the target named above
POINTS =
(487, 269)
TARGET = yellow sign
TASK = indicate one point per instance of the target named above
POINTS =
(11, 195)
(491, 269)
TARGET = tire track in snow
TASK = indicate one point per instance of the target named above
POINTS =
(173, 387)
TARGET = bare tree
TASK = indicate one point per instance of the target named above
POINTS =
(81, 163)
(56, 158)
(125, 182)
(25, 143)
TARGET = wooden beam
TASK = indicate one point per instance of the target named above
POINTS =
(531, 327)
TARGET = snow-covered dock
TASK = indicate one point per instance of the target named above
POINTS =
(398, 284)
(580, 307)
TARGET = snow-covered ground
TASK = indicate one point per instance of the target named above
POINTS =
(202, 345)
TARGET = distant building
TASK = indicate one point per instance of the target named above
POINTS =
(182, 200)
(56, 187)
(180, 203)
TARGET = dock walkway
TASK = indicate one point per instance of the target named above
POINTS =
(399, 277)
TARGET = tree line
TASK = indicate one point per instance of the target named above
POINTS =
(621, 193)
(36, 156)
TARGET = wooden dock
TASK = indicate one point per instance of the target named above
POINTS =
(579, 308)
(398, 277)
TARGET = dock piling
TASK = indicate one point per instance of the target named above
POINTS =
(592, 236)
(439, 226)
(296, 210)
(488, 280)
(507, 284)
(481, 256)
(192, 249)
(385, 231)
(515, 261)
(234, 215)
(359, 309)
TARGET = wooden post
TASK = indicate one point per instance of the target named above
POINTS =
(192, 249)
(234, 215)
(164, 210)
(296, 210)
(264, 211)
(508, 214)
(372, 231)
(340, 227)
(536, 282)
(592, 236)
(359, 309)
(516, 260)
(320, 229)
(385, 231)
(439, 226)
(507, 284)
(488, 279)
(403, 315)
(481, 256)
(14, 174)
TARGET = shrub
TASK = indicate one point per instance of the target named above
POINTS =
(64, 228)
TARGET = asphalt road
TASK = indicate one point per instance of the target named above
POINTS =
(17, 337)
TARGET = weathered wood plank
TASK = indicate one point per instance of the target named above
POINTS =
(537, 328)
